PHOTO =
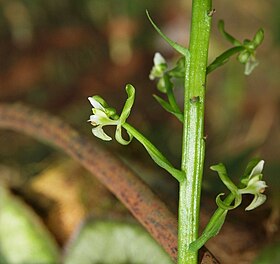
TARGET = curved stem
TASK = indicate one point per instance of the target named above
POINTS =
(193, 150)
(155, 154)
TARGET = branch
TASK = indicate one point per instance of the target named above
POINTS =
(147, 208)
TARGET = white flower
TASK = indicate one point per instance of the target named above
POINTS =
(159, 67)
(255, 186)
(100, 118)
(104, 115)
(158, 59)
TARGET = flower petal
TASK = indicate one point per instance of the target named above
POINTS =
(99, 132)
(158, 59)
(257, 169)
(259, 199)
(95, 103)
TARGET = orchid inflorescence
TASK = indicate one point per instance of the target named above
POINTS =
(251, 182)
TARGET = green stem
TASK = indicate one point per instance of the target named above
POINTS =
(155, 154)
(214, 225)
(193, 149)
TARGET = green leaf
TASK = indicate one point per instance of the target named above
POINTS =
(223, 58)
(23, 238)
(169, 108)
(112, 242)
(184, 51)
(227, 36)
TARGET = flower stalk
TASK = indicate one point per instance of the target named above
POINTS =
(193, 148)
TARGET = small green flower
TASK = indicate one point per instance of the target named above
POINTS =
(159, 67)
(253, 185)
(104, 115)
(100, 118)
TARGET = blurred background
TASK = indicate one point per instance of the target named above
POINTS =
(54, 54)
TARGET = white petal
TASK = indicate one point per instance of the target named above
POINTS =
(99, 113)
(99, 132)
(257, 169)
(158, 59)
(95, 104)
(258, 200)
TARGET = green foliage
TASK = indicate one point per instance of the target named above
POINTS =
(115, 242)
(23, 239)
